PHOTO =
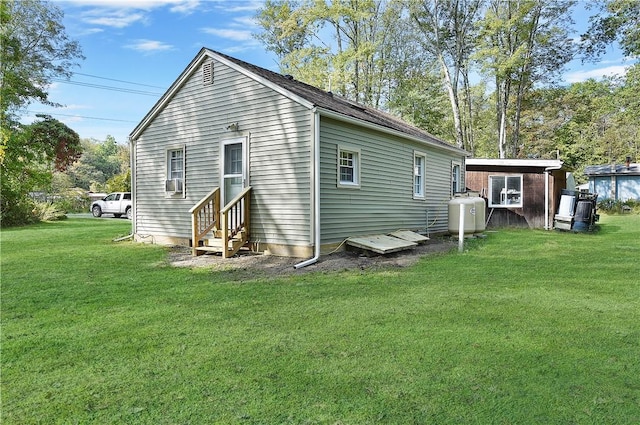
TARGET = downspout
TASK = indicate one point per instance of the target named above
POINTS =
(546, 199)
(132, 162)
(547, 221)
(316, 192)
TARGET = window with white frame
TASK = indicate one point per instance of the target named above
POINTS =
(455, 177)
(348, 167)
(175, 171)
(419, 163)
(506, 191)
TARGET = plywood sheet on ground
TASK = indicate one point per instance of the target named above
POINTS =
(382, 244)
(410, 236)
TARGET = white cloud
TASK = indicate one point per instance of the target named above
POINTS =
(90, 31)
(185, 7)
(123, 13)
(117, 18)
(579, 76)
(246, 6)
(176, 5)
(149, 46)
(244, 21)
(230, 34)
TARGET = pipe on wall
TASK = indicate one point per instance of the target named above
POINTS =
(316, 192)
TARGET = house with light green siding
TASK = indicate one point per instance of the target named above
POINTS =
(236, 155)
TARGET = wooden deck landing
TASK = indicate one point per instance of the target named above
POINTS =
(385, 244)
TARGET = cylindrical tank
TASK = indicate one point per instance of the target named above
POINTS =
(469, 211)
(480, 213)
(582, 218)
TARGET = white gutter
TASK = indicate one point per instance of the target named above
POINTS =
(316, 191)
(547, 221)
(546, 199)
(132, 167)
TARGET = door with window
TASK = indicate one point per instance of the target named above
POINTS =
(233, 168)
(112, 203)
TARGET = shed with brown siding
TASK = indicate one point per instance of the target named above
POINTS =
(519, 192)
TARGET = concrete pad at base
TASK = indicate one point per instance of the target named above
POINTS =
(382, 244)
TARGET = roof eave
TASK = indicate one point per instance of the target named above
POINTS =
(345, 118)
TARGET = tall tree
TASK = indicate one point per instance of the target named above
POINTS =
(34, 49)
(523, 42)
(448, 34)
(352, 62)
(33, 152)
(616, 20)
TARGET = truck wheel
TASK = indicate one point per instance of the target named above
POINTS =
(96, 211)
(128, 213)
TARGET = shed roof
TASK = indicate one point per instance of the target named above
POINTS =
(309, 96)
(539, 164)
(612, 169)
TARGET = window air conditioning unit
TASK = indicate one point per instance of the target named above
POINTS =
(173, 185)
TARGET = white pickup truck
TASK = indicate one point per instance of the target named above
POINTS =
(116, 203)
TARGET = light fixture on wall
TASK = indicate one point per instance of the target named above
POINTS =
(233, 126)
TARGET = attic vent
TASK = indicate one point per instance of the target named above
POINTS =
(207, 74)
(289, 77)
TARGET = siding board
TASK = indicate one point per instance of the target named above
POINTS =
(384, 202)
(197, 116)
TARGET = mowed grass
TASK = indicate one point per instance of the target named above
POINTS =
(524, 327)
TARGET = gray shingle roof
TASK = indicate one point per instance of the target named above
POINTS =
(608, 169)
(338, 104)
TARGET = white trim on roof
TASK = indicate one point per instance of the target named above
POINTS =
(515, 162)
(356, 121)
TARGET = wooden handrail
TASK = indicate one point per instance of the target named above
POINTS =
(205, 217)
(234, 219)
(235, 200)
(230, 223)
(204, 200)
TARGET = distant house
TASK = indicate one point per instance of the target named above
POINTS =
(618, 182)
(234, 154)
(519, 192)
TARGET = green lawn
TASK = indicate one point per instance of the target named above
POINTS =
(525, 327)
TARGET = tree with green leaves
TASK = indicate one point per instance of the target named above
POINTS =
(31, 155)
(448, 33)
(616, 20)
(101, 161)
(523, 42)
(339, 45)
(34, 49)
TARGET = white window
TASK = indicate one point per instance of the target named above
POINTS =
(174, 184)
(455, 177)
(348, 167)
(506, 191)
(419, 163)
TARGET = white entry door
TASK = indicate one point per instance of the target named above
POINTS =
(233, 167)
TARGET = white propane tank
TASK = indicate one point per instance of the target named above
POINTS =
(481, 213)
(469, 215)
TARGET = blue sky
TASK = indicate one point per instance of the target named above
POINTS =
(150, 42)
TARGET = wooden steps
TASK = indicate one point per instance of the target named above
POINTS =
(216, 245)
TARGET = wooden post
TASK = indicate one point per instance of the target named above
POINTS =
(194, 233)
(247, 214)
(225, 234)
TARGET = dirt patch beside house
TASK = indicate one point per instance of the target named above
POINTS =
(249, 265)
